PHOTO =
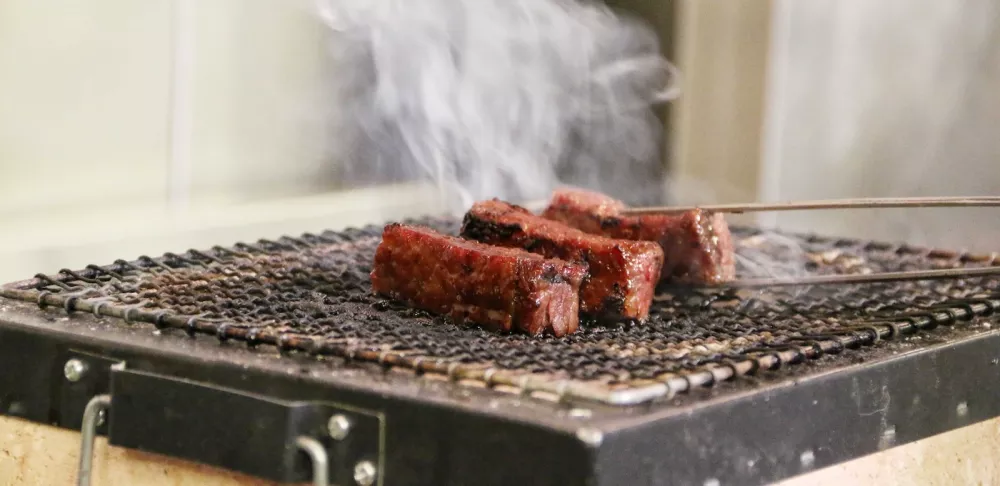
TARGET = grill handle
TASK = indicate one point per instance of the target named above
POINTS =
(278, 440)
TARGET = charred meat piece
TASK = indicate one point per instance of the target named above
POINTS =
(622, 274)
(499, 288)
(697, 245)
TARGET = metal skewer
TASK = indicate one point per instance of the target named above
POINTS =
(856, 203)
(859, 203)
(861, 278)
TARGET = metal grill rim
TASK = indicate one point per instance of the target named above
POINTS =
(64, 290)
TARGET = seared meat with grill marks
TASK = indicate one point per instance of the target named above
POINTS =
(697, 245)
(622, 274)
(499, 288)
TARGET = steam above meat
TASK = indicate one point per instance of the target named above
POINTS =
(493, 98)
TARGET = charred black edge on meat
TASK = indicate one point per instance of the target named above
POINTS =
(485, 231)
(489, 232)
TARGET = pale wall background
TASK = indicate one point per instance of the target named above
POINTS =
(782, 99)
(886, 98)
(86, 106)
(93, 131)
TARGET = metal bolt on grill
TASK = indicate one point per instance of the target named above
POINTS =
(311, 294)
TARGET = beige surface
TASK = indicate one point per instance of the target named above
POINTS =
(31, 454)
(964, 456)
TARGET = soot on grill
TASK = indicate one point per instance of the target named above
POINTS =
(313, 293)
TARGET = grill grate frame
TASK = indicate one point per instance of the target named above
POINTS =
(311, 294)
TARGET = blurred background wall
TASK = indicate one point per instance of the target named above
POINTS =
(820, 99)
(886, 98)
(129, 127)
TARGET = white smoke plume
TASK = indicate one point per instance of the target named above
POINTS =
(496, 98)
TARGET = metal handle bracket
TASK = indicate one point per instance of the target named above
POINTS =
(286, 441)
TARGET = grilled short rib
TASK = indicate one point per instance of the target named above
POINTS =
(697, 245)
(499, 288)
(622, 274)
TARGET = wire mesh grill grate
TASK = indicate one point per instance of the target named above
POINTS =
(312, 294)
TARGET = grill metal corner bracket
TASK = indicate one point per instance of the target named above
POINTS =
(279, 440)
(80, 377)
(48, 383)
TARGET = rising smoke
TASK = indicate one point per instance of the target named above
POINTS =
(496, 98)
(508, 99)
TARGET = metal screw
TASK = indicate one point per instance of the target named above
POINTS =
(16, 409)
(101, 417)
(338, 426)
(365, 473)
(590, 436)
(962, 409)
(807, 458)
(74, 370)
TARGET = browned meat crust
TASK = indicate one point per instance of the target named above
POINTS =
(500, 288)
(622, 274)
(697, 245)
